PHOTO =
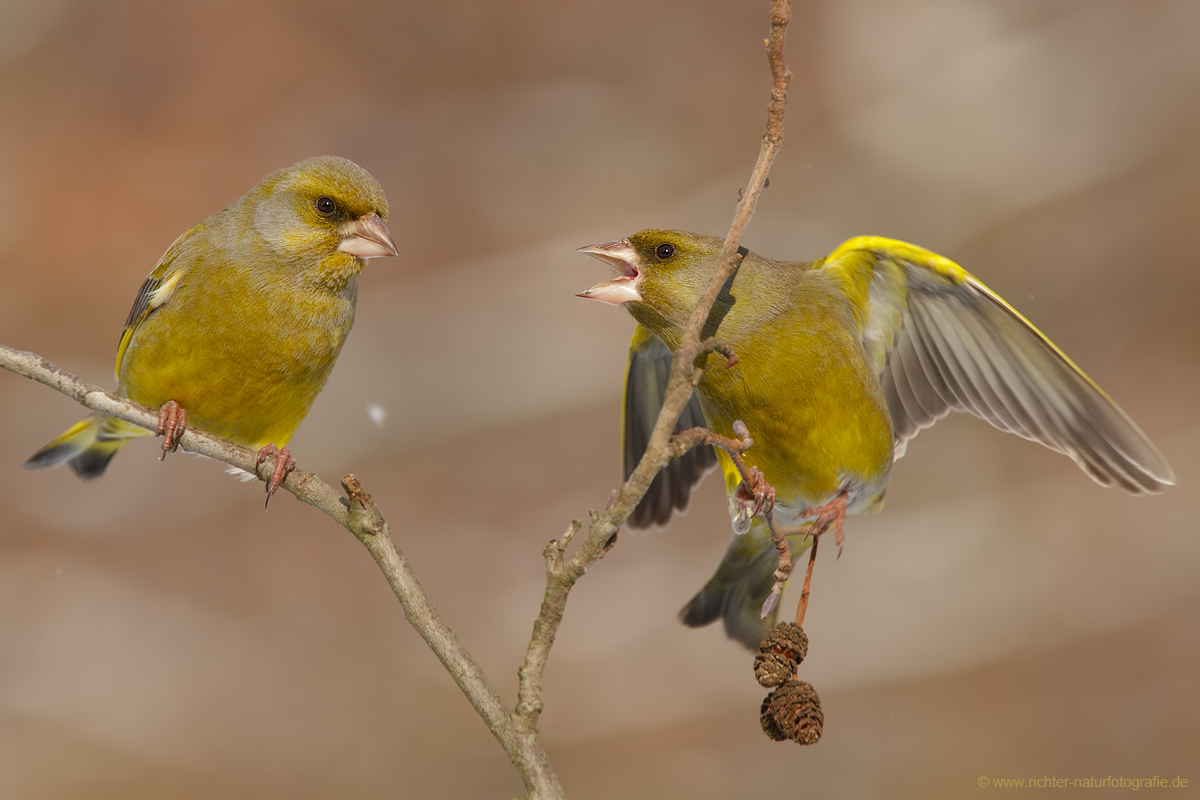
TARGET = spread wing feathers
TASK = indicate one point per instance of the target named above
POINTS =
(645, 388)
(156, 290)
(941, 341)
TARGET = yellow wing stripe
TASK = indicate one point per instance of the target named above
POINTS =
(153, 295)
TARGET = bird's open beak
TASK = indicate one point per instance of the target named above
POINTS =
(367, 237)
(624, 287)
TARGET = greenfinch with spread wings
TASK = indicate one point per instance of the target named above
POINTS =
(241, 321)
(840, 362)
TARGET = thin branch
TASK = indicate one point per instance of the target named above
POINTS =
(802, 606)
(561, 571)
(360, 516)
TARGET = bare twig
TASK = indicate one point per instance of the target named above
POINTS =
(802, 606)
(561, 571)
(360, 516)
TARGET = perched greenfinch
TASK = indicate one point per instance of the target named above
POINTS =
(239, 325)
(840, 362)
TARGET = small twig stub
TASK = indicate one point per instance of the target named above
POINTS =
(355, 491)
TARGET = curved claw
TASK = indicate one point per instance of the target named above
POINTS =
(772, 601)
(172, 422)
(284, 464)
(830, 515)
(758, 498)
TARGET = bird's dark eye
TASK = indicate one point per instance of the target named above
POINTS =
(326, 206)
(664, 251)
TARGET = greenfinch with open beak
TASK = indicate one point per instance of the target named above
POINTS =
(239, 325)
(840, 362)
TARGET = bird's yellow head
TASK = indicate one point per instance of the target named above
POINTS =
(662, 274)
(320, 207)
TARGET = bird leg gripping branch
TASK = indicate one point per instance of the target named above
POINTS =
(172, 422)
(757, 497)
(827, 516)
(714, 345)
(282, 463)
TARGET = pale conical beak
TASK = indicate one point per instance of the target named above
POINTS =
(624, 287)
(367, 237)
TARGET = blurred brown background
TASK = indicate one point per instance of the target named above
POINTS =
(161, 636)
